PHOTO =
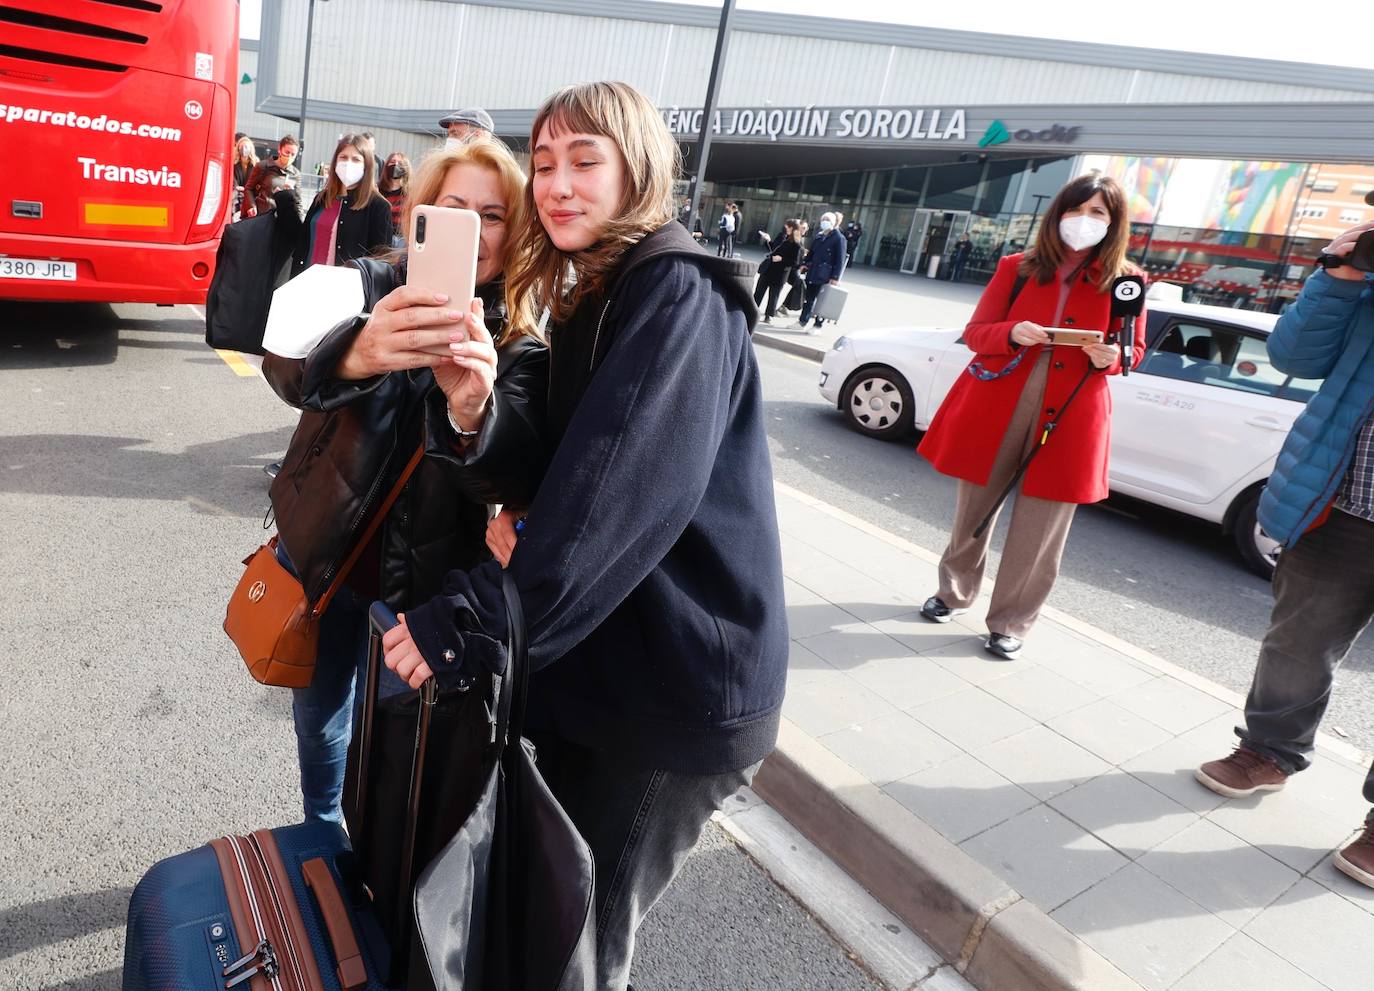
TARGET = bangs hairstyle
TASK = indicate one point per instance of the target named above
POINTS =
(630, 120)
(367, 185)
(494, 156)
(1042, 261)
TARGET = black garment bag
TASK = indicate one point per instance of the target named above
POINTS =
(253, 259)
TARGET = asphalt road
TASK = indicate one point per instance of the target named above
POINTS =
(1162, 581)
(131, 485)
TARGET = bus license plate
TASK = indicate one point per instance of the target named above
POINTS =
(32, 268)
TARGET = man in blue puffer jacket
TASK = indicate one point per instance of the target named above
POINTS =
(1319, 504)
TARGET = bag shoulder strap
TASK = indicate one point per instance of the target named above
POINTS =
(1016, 288)
(371, 531)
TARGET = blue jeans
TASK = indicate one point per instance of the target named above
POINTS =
(1323, 600)
(324, 712)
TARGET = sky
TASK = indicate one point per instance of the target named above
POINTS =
(1340, 34)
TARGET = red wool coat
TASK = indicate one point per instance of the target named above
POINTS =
(968, 427)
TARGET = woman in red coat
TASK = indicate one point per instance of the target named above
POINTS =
(996, 412)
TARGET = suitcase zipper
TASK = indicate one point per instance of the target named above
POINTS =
(267, 900)
(283, 898)
(264, 957)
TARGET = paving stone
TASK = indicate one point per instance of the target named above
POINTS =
(1220, 871)
(1109, 731)
(1152, 932)
(1169, 703)
(1124, 812)
(1044, 856)
(1283, 826)
(961, 797)
(1039, 692)
(1332, 786)
(830, 700)
(1342, 884)
(970, 661)
(1240, 962)
(972, 719)
(1322, 935)
(921, 635)
(945, 979)
(808, 614)
(1042, 762)
(908, 682)
(1169, 768)
(804, 665)
(1094, 667)
(852, 646)
(889, 747)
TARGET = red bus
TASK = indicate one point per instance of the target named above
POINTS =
(116, 129)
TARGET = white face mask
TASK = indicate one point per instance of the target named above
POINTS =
(348, 172)
(1082, 232)
(451, 143)
(826, 225)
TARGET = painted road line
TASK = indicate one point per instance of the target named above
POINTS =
(233, 359)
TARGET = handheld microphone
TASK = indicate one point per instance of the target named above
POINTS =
(1128, 299)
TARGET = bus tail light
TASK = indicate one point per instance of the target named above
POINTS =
(213, 195)
(211, 214)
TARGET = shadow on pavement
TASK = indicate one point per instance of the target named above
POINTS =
(55, 920)
(58, 335)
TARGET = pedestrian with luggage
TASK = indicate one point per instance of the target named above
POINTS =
(348, 218)
(649, 569)
(783, 252)
(1319, 504)
(822, 266)
(997, 411)
(370, 394)
(728, 221)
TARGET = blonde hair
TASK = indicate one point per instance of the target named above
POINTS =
(1049, 251)
(493, 155)
(367, 185)
(252, 157)
(559, 280)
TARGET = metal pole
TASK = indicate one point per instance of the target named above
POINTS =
(305, 78)
(703, 152)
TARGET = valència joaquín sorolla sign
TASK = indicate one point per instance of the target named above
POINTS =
(837, 123)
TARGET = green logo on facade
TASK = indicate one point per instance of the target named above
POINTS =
(996, 134)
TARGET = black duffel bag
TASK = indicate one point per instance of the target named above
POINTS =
(254, 258)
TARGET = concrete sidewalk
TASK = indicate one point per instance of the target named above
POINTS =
(1037, 821)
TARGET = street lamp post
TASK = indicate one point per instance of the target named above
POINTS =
(703, 152)
(305, 77)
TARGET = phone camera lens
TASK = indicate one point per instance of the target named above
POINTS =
(420, 229)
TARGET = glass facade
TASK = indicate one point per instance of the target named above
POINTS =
(912, 217)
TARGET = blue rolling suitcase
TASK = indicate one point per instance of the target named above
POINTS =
(272, 911)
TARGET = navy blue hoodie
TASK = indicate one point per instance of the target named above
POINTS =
(650, 570)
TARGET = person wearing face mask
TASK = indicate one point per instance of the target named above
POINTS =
(245, 161)
(349, 218)
(394, 185)
(271, 177)
(463, 126)
(823, 265)
(995, 414)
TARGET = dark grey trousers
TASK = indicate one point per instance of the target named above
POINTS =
(641, 825)
(1323, 600)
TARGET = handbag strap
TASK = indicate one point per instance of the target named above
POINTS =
(510, 709)
(371, 530)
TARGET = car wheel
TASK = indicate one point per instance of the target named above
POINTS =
(1257, 549)
(877, 402)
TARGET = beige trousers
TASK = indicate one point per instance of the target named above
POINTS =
(1035, 539)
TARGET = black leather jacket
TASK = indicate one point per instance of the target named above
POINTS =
(354, 438)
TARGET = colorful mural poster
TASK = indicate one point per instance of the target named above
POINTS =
(1256, 197)
(1143, 179)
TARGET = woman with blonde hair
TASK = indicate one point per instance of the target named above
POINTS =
(371, 393)
(1018, 382)
(349, 218)
(649, 569)
(245, 160)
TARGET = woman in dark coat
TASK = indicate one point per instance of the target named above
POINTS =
(995, 414)
(349, 217)
(650, 571)
(783, 252)
(369, 397)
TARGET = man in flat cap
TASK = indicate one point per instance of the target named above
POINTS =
(465, 125)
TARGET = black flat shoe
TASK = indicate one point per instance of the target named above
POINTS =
(1003, 646)
(936, 611)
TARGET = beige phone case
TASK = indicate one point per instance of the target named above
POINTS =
(1075, 338)
(443, 254)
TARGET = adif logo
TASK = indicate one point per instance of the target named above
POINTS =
(194, 110)
(996, 134)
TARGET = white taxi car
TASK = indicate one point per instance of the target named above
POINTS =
(1196, 427)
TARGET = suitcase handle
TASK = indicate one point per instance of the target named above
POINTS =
(351, 970)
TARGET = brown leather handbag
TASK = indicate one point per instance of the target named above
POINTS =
(269, 618)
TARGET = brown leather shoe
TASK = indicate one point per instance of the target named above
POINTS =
(1243, 773)
(1357, 860)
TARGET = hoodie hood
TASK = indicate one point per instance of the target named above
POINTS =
(734, 276)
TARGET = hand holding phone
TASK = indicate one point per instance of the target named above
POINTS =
(1074, 338)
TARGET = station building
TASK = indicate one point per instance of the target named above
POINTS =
(1238, 170)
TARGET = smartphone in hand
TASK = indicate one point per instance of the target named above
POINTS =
(443, 255)
(1074, 338)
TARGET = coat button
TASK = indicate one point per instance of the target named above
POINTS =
(317, 450)
(1068, 321)
(1058, 364)
(1050, 411)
